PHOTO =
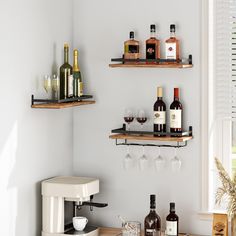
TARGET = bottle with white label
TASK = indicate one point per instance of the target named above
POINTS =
(176, 114)
(159, 110)
(172, 222)
(172, 48)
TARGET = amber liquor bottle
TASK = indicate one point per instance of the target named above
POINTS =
(153, 46)
(172, 222)
(159, 114)
(152, 222)
(131, 48)
(176, 114)
(172, 47)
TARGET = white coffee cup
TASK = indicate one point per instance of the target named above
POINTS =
(79, 223)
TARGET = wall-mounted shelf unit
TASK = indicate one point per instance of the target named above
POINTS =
(59, 104)
(155, 63)
(179, 140)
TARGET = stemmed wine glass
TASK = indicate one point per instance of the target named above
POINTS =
(55, 87)
(47, 84)
(128, 117)
(175, 162)
(159, 161)
(128, 160)
(141, 118)
(143, 161)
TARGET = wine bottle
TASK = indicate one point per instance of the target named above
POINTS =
(176, 114)
(78, 84)
(172, 222)
(152, 222)
(152, 45)
(159, 114)
(66, 78)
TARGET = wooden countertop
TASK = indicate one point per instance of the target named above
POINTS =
(115, 231)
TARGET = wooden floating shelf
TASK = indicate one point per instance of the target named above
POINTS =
(62, 105)
(150, 138)
(178, 66)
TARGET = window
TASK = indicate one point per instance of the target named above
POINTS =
(221, 94)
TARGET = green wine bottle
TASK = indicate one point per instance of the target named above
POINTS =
(78, 84)
(66, 78)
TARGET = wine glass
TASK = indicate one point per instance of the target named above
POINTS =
(159, 161)
(175, 162)
(128, 117)
(141, 118)
(128, 160)
(143, 161)
(55, 87)
(47, 84)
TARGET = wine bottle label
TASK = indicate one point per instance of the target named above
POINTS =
(171, 51)
(152, 232)
(175, 118)
(171, 228)
(151, 51)
(70, 85)
(131, 49)
(80, 89)
(159, 117)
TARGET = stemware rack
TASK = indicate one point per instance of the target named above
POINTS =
(61, 103)
(153, 63)
(180, 139)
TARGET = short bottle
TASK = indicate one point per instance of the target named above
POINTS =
(152, 222)
(176, 114)
(153, 46)
(159, 110)
(172, 47)
(172, 222)
(66, 78)
(131, 48)
(78, 84)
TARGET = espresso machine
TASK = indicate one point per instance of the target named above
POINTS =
(62, 197)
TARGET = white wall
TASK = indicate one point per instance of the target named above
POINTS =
(100, 27)
(34, 144)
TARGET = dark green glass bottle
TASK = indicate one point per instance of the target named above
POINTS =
(78, 84)
(66, 79)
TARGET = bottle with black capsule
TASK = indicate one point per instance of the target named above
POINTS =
(152, 222)
(172, 222)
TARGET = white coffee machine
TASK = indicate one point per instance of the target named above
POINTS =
(62, 196)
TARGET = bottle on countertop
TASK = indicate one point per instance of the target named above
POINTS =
(172, 222)
(152, 222)
(176, 114)
(159, 114)
(66, 78)
(78, 84)
(153, 45)
(131, 48)
(172, 47)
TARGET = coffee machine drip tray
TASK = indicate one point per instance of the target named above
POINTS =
(88, 231)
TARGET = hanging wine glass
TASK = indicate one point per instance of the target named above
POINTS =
(128, 162)
(128, 117)
(159, 161)
(175, 162)
(143, 161)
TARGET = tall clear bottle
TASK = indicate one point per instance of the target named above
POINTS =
(66, 78)
(152, 222)
(78, 84)
(153, 45)
(172, 46)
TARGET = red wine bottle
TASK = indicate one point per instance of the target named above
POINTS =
(152, 222)
(172, 222)
(159, 114)
(176, 113)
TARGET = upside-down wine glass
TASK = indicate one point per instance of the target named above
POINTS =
(143, 161)
(159, 161)
(175, 162)
(128, 160)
